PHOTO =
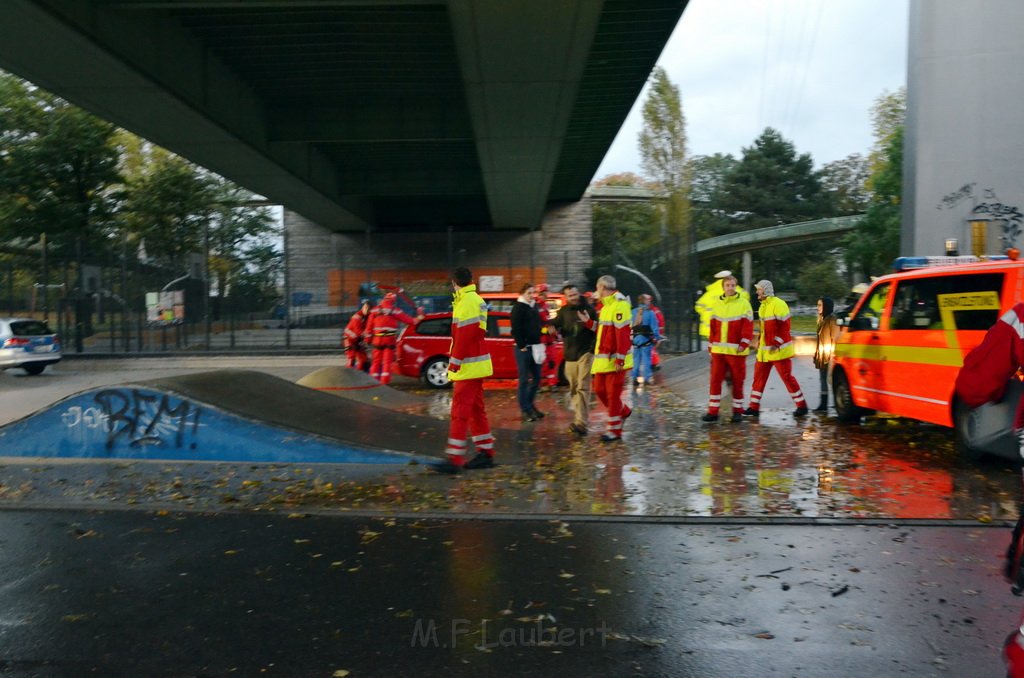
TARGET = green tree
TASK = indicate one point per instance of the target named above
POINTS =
(772, 185)
(624, 232)
(58, 170)
(872, 246)
(168, 206)
(705, 177)
(875, 242)
(888, 115)
(844, 183)
(821, 279)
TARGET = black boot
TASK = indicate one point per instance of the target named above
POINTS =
(822, 404)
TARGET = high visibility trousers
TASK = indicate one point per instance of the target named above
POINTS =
(722, 365)
(357, 359)
(762, 370)
(383, 357)
(608, 387)
(468, 417)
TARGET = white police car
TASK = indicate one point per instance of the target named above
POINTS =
(28, 344)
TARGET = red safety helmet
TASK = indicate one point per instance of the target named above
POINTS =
(388, 301)
(542, 288)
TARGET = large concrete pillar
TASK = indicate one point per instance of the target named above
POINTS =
(964, 153)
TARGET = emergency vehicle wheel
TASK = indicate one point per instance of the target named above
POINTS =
(961, 414)
(435, 373)
(846, 411)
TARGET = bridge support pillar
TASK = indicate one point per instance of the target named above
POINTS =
(747, 265)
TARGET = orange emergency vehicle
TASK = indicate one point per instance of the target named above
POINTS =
(905, 340)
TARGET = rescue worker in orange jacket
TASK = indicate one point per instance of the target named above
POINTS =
(774, 349)
(731, 331)
(468, 365)
(353, 339)
(382, 332)
(613, 354)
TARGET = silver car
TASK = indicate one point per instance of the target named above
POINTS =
(28, 344)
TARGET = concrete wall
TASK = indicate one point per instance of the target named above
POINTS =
(964, 156)
(561, 249)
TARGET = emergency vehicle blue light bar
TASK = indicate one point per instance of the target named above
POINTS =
(912, 263)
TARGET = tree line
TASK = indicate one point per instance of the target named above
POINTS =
(100, 193)
(770, 184)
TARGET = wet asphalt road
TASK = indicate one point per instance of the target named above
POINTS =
(776, 547)
(142, 594)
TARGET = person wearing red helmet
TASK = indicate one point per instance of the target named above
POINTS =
(353, 338)
(382, 331)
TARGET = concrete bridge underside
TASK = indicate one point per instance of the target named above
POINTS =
(360, 115)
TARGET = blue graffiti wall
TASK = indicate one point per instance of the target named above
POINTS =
(139, 423)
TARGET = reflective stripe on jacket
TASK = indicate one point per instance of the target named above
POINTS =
(707, 301)
(776, 342)
(731, 326)
(614, 341)
(469, 329)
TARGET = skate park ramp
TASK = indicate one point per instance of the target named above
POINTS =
(223, 415)
(357, 385)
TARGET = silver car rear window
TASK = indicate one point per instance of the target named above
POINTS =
(29, 328)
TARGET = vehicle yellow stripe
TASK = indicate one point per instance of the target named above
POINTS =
(947, 357)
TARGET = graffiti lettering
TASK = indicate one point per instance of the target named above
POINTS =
(950, 200)
(142, 419)
(1009, 217)
(90, 417)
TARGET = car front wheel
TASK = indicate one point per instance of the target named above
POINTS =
(961, 431)
(435, 373)
(34, 368)
(846, 410)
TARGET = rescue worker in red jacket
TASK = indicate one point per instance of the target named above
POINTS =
(548, 337)
(991, 364)
(775, 348)
(353, 338)
(469, 364)
(983, 378)
(382, 332)
(729, 339)
(613, 355)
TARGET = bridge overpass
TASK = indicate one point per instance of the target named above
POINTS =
(746, 242)
(360, 115)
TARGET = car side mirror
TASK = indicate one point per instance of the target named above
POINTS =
(859, 323)
(842, 318)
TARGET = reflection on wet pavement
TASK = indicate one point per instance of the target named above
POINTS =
(669, 464)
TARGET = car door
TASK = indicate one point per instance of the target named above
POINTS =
(862, 349)
(501, 345)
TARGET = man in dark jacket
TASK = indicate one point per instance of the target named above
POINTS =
(526, 332)
(578, 346)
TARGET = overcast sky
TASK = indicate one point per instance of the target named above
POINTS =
(809, 68)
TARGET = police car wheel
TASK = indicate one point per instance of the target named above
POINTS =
(34, 368)
(435, 373)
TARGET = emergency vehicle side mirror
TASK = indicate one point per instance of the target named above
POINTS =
(842, 317)
(859, 323)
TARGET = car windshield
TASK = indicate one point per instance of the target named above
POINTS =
(30, 328)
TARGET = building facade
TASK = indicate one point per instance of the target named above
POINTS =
(964, 153)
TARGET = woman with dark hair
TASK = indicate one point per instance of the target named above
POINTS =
(828, 331)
